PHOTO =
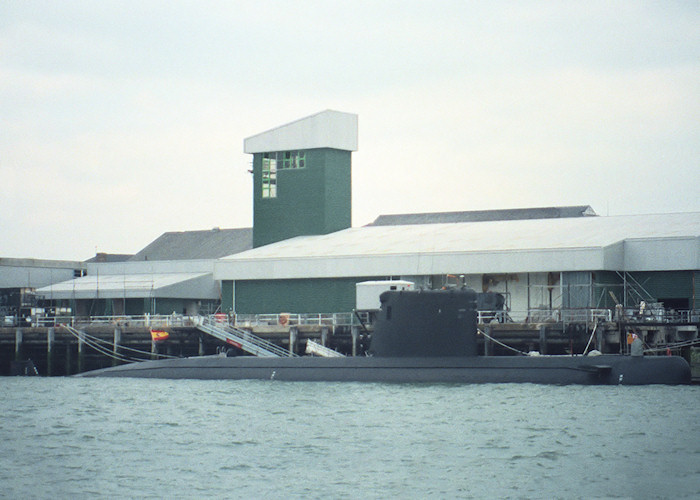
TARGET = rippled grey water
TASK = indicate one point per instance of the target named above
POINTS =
(105, 438)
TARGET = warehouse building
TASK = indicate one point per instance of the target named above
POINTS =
(303, 256)
(173, 274)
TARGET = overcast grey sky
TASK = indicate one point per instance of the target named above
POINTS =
(122, 120)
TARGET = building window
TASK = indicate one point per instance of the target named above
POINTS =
(281, 160)
(269, 175)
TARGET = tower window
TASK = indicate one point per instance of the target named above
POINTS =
(281, 160)
(269, 176)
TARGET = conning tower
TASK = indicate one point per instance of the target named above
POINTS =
(426, 323)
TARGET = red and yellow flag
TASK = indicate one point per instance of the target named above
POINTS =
(159, 335)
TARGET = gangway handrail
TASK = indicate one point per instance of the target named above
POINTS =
(242, 339)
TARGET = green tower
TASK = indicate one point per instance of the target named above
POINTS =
(302, 177)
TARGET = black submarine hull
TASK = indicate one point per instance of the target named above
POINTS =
(586, 370)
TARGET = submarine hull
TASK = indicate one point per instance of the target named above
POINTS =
(422, 336)
(593, 370)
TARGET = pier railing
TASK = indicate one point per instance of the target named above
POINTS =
(656, 315)
(321, 319)
(144, 320)
(690, 316)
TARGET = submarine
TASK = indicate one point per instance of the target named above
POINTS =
(422, 336)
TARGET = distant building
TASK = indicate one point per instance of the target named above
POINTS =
(20, 278)
(171, 274)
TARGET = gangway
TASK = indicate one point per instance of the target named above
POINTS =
(240, 338)
(317, 349)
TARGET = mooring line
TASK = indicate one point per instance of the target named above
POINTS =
(94, 342)
(500, 343)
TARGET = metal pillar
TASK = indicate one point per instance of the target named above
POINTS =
(324, 336)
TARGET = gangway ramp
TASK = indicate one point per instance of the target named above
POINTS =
(242, 339)
(316, 349)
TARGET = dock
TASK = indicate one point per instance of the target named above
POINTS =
(98, 342)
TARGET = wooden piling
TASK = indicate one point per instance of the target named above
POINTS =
(543, 339)
(18, 344)
(488, 345)
(69, 369)
(355, 332)
(81, 351)
(115, 348)
(50, 340)
(293, 337)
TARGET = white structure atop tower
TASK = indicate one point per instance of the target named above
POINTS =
(327, 129)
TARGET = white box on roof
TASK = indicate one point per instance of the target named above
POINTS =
(367, 292)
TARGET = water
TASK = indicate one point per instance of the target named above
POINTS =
(107, 438)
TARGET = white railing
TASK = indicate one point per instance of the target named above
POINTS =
(144, 320)
(285, 319)
(543, 315)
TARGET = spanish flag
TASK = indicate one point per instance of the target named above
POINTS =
(159, 335)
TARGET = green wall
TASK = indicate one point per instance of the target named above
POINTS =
(659, 284)
(226, 296)
(315, 199)
(667, 284)
(296, 296)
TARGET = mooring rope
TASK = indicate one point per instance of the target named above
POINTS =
(95, 343)
(123, 347)
(500, 343)
(677, 345)
(101, 349)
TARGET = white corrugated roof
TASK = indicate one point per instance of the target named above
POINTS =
(570, 243)
(133, 286)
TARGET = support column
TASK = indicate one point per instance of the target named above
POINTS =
(200, 352)
(600, 337)
(355, 331)
(81, 351)
(18, 344)
(324, 336)
(116, 343)
(50, 340)
(543, 339)
(488, 345)
(69, 361)
(293, 337)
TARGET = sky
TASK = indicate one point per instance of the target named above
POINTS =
(121, 120)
